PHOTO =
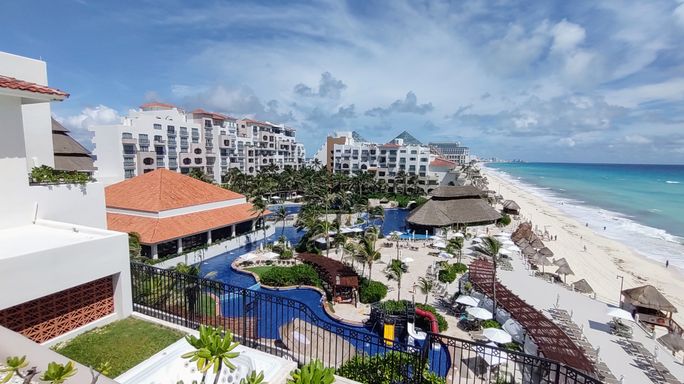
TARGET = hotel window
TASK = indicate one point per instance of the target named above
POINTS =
(128, 173)
(157, 126)
(187, 161)
(207, 123)
(170, 129)
(197, 151)
(144, 148)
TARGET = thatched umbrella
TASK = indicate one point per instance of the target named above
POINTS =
(560, 262)
(528, 251)
(648, 296)
(307, 341)
(540, 259)
(522, 243)
(537, 244)
(672, 341)
(565, 271)
(582, 286)
(546, 252)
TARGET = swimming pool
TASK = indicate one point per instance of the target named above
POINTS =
(221, 266)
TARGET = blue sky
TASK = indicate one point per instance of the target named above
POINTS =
(540, 81)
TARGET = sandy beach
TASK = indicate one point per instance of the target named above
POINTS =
(603, 260)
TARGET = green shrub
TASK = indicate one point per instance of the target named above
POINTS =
(504, 220)
(491, 324)
(459, 268)
(386, 369)
(48, 175)
(447, 275)
(371, 291)
(286, 254)
(301, 274)
(312, 373)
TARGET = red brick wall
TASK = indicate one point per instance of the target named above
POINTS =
(50, 316)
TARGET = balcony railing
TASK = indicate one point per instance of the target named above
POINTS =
(258, 318)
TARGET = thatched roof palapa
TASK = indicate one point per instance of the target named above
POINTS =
(546, 252)
(444, 210)
(560, 262)
(582, 286)
(564, 270)
(537, 244)
(540, 259)
(672, 341)
(511, 206)
(457, 192)
(648, 296)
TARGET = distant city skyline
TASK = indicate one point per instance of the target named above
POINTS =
(560, 81)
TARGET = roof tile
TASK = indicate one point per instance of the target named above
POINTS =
(21, 85)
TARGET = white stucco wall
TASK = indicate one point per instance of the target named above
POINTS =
(109, 153)
(41, 273)
(36, 122)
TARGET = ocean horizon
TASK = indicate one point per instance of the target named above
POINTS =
(640, 205)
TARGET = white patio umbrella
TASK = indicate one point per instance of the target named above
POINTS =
(477, 240)
(408, 260)
(508, 242)
(504, 252)
(435, 237)
(620, 314)
(439, 244)
(504, 234)
(482, 235)
(458, 234)
(496, 335)
(479, 313)
(445, 255)
(468, 300)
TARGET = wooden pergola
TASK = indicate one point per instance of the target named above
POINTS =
(550, 339)
(338, 276)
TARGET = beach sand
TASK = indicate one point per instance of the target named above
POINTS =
(603, 260)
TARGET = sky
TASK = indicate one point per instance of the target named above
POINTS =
(566, 81)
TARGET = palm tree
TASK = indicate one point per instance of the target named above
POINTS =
(259, 207)
(134, 247)
(456, 245)
(395, 271)
(425, 286)
(281, 215)
(367, 254)
(491, 246)
(394, 237)
(212, 350)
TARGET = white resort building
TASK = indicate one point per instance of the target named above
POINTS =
(160, 135)
(174, 214)
(403, 156)
(61, 271)
(452, 150)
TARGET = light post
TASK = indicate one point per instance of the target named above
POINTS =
(622, 282)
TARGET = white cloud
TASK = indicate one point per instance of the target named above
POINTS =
(637, 139)
(567, 142)
(567, 36)
(678, 13)
(670, 90)
(78, 124)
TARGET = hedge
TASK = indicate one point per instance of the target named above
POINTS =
(371, 291)
(386, 369)
(301, 274)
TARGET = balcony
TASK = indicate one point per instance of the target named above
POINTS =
(159, 141)
(144, 142)
(128, 139)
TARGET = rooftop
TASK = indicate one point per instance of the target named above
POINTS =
(161, 190)
(439, 162)
(155, 230)
(457, 192)
(21, 85)
(156, 105)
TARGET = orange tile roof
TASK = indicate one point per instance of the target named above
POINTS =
(257, 122)
(153, 230)
(162, 190)
(438, 162)
(390, 145)
(213, 115)
(21, 85)
(155, 104)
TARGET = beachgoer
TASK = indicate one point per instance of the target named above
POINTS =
(604, 228)
(667, 263)
(586, 224)
(585, 248)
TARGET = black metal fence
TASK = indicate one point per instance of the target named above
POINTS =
(270, 321)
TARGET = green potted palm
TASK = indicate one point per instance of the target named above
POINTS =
(212, 351)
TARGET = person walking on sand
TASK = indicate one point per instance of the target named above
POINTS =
(585, 248)
(667, 263)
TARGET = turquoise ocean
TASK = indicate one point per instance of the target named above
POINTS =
(641, 206)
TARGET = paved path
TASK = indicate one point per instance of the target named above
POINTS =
(591, 315)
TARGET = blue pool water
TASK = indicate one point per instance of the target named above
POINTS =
(221, 266)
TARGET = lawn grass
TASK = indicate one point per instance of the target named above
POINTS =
(260, 270)
(124, 344)
(207, 305)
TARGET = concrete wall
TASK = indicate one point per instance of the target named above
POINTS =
(38, 274)
(69, 203)
(109, 153)
(37, 124)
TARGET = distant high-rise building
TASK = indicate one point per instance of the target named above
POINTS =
(452, 150)
(345, 153)
(160, 135)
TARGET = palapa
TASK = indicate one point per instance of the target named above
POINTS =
(648, 296)
(540, 259)
(565, 271)
(546, 252)
(537, 244)
(672, 341)
(582, 286)
(560, 262)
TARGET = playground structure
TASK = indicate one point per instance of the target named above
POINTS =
(400, 326)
